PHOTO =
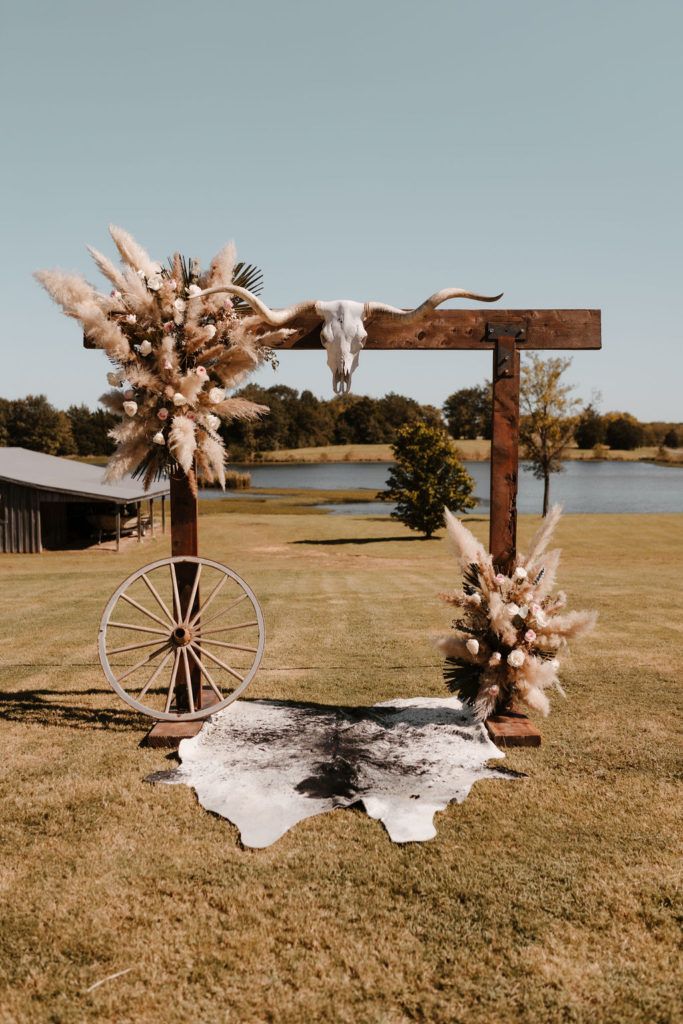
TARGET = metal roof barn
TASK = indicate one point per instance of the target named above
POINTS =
(49, 502)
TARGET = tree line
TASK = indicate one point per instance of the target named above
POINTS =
(300, 420)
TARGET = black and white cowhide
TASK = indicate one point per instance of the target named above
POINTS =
(266, 765)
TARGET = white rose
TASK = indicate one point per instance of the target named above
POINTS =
(173, 283)
(216, 395)
(130, 408)
(523, 611)
(159, 438)
(180, 305)
(472, 646)
(495, 659)
(154, 283)
(513, 609)
(194, 289)
(114, 379)
(131, 318)
(145, 347)
(201, 372)
(179, 399)
(213, 422)
(520, 573)
(516, 658)
(210, 331)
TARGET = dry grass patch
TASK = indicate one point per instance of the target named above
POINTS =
(553, 900)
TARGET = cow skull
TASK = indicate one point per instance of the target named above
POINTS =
(343, 330)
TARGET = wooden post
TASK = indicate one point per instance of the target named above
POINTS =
(151, 515)
(163, 513)
(118, 527)
(139, 524)
(184, 541)
(504, 451)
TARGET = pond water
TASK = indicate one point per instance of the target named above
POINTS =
(582, 487)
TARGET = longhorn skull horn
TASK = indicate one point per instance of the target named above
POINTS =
(274, 317)
(409, 315)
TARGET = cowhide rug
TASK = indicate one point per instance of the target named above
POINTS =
(266, 765)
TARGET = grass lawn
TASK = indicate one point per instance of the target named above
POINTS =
(476, 451)
(552, 899)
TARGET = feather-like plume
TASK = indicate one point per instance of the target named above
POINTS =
(107, 268)
(182, 441)
(466, 544)
(240, 409)
(131, 252)
(542, 537)
(222, 266)
(68, 290)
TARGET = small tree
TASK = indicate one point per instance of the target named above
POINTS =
(672, 439)
(468, 412)
(590, 428)
(624, 432)
(548, 417)
(427, 476)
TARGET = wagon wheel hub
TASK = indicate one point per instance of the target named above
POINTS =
(182, 635)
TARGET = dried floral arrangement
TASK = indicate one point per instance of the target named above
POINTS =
(175, 352)
(512, 628)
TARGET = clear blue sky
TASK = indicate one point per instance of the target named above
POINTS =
(361, 150)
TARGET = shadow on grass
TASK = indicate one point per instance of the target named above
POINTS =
(361, 540)
(32, 708)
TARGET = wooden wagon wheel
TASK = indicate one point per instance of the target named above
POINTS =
(155, 651)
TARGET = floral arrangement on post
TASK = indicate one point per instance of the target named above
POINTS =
(175, 352)
(512, 628)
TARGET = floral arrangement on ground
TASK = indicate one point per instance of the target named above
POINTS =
(512, 628)
(175, 352)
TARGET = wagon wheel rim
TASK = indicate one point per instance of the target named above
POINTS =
(179, 636)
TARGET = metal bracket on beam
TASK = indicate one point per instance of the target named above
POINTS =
(506, 337)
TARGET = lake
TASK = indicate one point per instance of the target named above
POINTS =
(582, 487)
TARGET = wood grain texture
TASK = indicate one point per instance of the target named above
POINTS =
(185, 541)
(504, 454)
(513, 730)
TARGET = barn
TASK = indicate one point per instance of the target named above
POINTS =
(52, 503)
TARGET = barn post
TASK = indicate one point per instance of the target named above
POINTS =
(118, 527)
(504, 444)
(151, 514)
(139, 523)
(163, 513)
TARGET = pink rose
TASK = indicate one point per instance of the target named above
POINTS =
(227, 303)
(168, 326)
(500, 578)
(129, 395)
(162, 414)
(529, 636)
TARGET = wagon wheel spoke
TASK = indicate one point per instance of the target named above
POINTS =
(146, 611)
(193, 594)
(144, 661)
(228, 629)
(135, 647)
(218, 661)
(205, 672)
(154, 592)
(155, 675)
(139, 629)
(227, 608)
(188, 678)
(234, 647)
(171, 685)
(214, 593)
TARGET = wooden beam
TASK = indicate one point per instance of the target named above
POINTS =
(466, 329)
(184, 541)
(446, 329)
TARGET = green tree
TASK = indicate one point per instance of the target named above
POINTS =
(672, 439)
(468, 412)
(548, 419)
(90, 430)
(426, 477)
(4, 413)
(33, 423)
(624, 432)
(590, 428)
